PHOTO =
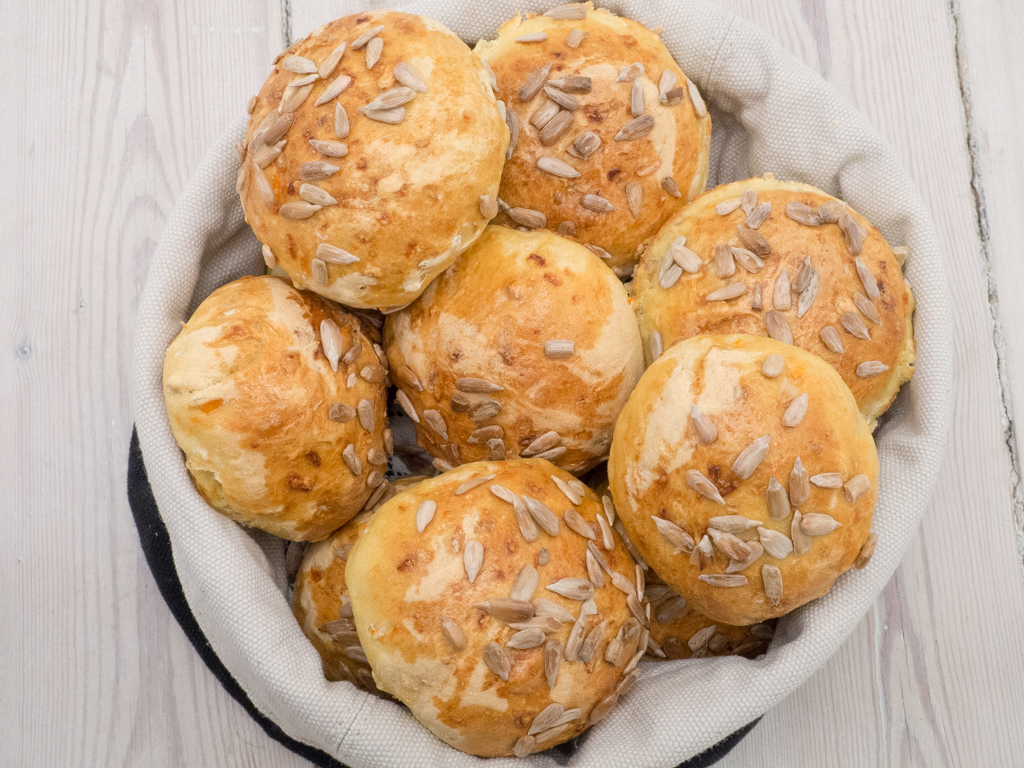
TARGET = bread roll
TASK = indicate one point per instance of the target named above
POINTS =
(367, 206)
(745, 475)
(855, 310)
(527, 346)
(322, 605)
(274, 437)
(477, 608)
(592, 161)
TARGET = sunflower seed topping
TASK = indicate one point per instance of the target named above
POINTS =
(585, 145)
(333, 90)
(775, 544)
(572, 588)
(856, 487)
(830, 338)
(724, 579)
(670, 273)
(341, 126)
(755, 302)
(803, 214)
(394, 97)
(636, 97)
(389, 116)
(524, 746)
(314, 194)
(871, 368)
(687, 260)
(778, 327)
(757, 216)
(753, 240)
(703, 486)
(512, 121)
(265, 155)
(298, 210)
(778, 500)
(730, 291)
(830, 212)
(528, 217)
(771, 577)
(795, 412)
(733, 523)
(726, 207)
(342, 413)
(594, 571)
(781, 296)
(316, 170)
(299, 65)
(525, 584)
(669, 185)
(366, 414)
(655, 345)
(496, 660)
(351, 460)
(367, 36)
(867, 280)
(330, 339)
(575, 37)
(853, 233)
(799, 489)
(576, 523)
(596, 203)
(556, 167)
(470, 484)
(561, 98)
(854, 325)
(801, 541)
(702, 425)
(866, 551)
(330, 63)
(609, 508)
(294, 96)
(867, 308)
(733, 546)
(535, 82)
(749, 260)
(666, 83)
(507, 610)
(751, 457)
(377, 456)
(354, 352)
(818, 524)
(453, 633)
(329, 148)
(542, 513)
(636, 128)
(725, 266)
(543, 114)
(673, 534)
(748, 200)
(407, 406)
(495, 449)
(756, 550)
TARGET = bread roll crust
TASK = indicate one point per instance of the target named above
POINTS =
(677, 147)
(403, 581)
(408, 193)
(683, 310)
(490, 317)
(656, 446)
(249, 394)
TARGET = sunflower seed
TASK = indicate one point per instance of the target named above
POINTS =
(636, 98)
(435, 421)
(331, 341)
(781, 296)
(808, 295)
(818, 523)
(528, 217)
(487, 409)
(853, 233)
(572, 84)
(753, 240)
(495, 450)
(351, 460)
(354, 352)
(830, 338)
(702, 425)
(669, 185)
(525, 584)
(724, 264)
(298, 210)
(543, 443)
(871, 368)
(594, 571)
(242, 184)
(830, 212)
(733, 546)
(333, 90)
(796, 411)
(570, 493)
(331, 627)
(488, 206)
(407, 406)
(329, 148)
(801, 541)
(900, 252)
(673, 534)
(294, 96)
(299, 64)
(856, 487)
(775, 544)
(854, 325)
(315, 170)
(542, 513)
(496, 660)
(755, 302)
(778, 327)
(666, 83)
(377, 456)
(724, 579)
(572, 588)
(389, 116)
(687, 260)
(356, 653)
(505, 609)
(366, 37)
(524, 746)
(556, 127)
(543, 114)
(596, 203)
(265, 155)
(575, 37)
(748, 200)
(557, 167)
(472, 483)
(864, 557)
(730, 291)
(771, 578)
(474, 385)
(342, 413)
(655, 345)
(636, 128)
(453, 633)
(575, 641)
(512, 121)
(726, 207)
(366, 414)
(570, 11)
(866, 308)
(778, 500)
(751, 457)
(672, 609)
(534, 83)
(373, 51)
(251, 105)
(341, 126)
(703, 486)
(803, 214)
(552, 454)
(696, 99)
(526, 638)
(588, 649)
(749, 260)
(532, 37)
(609, 508)
(314, 194)
(799, 489)
(701, 637)
(394, 97)
(546, 608)
(868, 281)
(733, 523)
(630, 72)
(757, 216)
(670, 274)
(756, 550)
(562, 99)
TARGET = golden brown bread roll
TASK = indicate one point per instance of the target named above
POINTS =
(855, 312)
(274, 437)
(527, 346)
(579, 135)
(367, 206)
(745, 475)
(477, 607)
(322, 605)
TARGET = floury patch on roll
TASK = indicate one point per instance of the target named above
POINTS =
(277, 399)
(745, 475)
(497, 604)
(789, 261)
(373, 150)
(527, 346)
(322, 605)
(608, 136)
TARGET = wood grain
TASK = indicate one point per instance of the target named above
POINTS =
(111, 104)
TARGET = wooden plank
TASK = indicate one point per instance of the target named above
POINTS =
(111, 104)
(933, 674)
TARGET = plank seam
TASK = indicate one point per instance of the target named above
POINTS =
(286, 22)
(995, 318)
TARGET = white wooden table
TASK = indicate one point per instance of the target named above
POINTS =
(108, 107)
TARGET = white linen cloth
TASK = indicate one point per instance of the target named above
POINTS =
(770, 114)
